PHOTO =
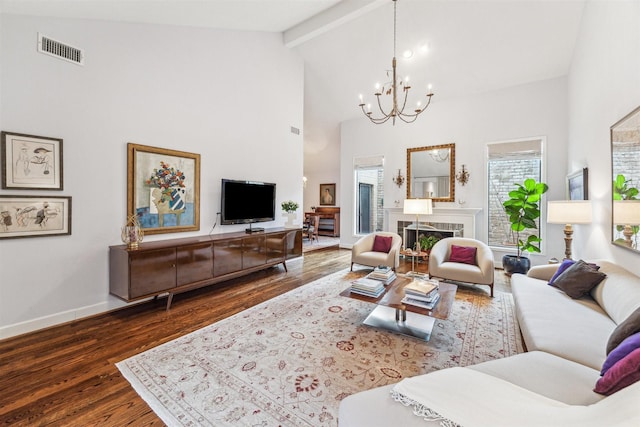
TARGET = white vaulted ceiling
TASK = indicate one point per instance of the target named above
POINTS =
(474, 46)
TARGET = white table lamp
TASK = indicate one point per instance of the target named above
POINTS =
(417, 207)
(626, 213)
(569, 212)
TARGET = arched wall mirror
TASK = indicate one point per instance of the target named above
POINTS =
(625, 167)
(430, 172)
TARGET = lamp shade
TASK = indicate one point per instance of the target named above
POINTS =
(626, 212)
(569, 212)
(418, 206)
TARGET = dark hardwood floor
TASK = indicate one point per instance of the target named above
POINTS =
(66, 375)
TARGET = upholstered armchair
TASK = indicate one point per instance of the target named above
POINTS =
(362, 251)
(479, 271)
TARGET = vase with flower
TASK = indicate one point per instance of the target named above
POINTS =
(167, 193)
(290, 208)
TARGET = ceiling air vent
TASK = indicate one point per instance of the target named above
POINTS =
(60, 50)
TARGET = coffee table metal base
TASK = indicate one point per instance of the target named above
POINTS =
(400, 321)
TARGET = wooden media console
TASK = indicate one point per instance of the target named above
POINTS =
(179, 265)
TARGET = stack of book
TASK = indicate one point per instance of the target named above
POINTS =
(383, 273)
(422, 293)
(368, 287)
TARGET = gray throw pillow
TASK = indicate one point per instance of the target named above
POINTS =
(628, 327)
(578, 280)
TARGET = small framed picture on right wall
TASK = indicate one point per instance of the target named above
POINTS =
(578, 185)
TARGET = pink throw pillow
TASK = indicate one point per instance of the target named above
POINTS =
(382, 244)
(463, 254)
(622, 374)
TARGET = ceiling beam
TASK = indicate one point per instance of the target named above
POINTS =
(341, 13)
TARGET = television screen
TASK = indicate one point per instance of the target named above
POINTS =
(245, 202)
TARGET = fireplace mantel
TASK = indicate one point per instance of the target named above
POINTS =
(464, 216)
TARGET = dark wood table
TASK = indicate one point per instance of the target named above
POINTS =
(392, 314)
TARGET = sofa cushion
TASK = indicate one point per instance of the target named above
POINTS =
(578, 280)
(382, 244)
(627, 346)
(628, 327)
(547, 318)
(548, 375)
(619, 293)
(622, 374)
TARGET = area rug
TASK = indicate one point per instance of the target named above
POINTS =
(290, 361)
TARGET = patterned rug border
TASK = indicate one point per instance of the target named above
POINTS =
(304, 405)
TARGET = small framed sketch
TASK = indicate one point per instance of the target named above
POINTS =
(327, 194)
(31, 162)
(578, 185)
(34, 216)
(163, 189)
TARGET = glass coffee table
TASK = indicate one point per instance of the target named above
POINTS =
(392, 314)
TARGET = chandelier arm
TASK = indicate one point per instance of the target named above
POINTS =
(404, 103)
(381, 109)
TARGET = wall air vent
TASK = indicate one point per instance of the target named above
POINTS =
(60, 50)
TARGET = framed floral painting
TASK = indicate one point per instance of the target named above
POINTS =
(31, 162)
(163, 189)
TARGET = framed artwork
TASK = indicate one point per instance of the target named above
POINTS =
(31, 162)
(34, 216)
(327, 194)
(163, 189)
(578, 185)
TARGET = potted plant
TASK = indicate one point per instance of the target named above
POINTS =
(427, 242)
(290, 208)
(522, 207)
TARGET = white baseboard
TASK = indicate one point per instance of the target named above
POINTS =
(57, 319)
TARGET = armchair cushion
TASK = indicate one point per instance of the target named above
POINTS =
(463, 254)
(382, 244)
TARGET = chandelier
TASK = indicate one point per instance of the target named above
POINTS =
(391, 88)
(439, 156)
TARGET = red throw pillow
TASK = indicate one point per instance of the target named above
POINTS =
(382, 244)
(622, 374)
(463, 254)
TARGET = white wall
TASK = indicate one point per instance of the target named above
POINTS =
(230, 96)
(532, 110)
(604, 86)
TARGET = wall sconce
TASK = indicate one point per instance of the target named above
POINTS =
(398, 180)
(463, 176)
(304, 182)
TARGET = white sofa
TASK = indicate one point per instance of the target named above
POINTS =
(550, 385)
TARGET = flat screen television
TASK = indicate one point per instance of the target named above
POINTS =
(246, 202)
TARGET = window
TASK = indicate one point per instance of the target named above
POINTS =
(509, 163)
(369, 194)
